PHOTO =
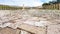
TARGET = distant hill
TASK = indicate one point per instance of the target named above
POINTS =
(6, 7)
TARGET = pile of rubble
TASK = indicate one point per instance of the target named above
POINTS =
(15, 18)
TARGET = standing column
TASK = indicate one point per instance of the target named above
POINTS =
(23, 7)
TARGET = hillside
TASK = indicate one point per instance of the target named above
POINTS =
(6, 7)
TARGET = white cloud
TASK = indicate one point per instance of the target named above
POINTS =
(25, 2)
(28, 2)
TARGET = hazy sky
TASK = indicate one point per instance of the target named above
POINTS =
(25, 2)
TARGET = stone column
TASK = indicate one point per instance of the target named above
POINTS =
(23, 7)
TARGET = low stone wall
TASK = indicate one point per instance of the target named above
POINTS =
(17, 31)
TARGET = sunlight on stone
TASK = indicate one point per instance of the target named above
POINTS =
(13, 18)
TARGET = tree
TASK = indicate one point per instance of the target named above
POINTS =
(44, 5)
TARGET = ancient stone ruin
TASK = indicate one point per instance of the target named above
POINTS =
(29, 22)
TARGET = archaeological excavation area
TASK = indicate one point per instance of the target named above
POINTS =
(30, 21)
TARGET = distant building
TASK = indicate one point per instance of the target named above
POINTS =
(52, 5)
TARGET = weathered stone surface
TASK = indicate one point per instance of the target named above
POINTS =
(53, 29)
(9, 31)
(40, 18)
(24, 32)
